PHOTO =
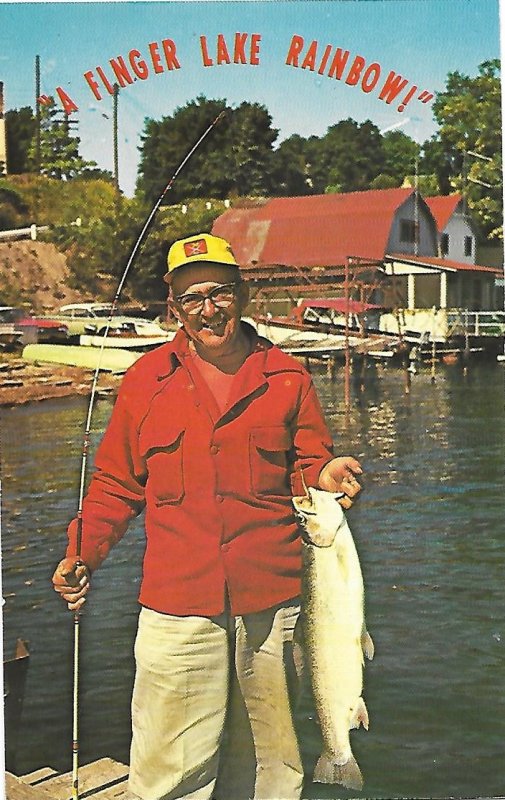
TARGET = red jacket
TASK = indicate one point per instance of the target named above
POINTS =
(216, 487)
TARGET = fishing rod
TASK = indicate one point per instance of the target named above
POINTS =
(86, 443)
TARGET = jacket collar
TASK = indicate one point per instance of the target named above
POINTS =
(269, 358)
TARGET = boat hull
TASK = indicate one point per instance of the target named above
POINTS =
(15, 671)
(109, 360)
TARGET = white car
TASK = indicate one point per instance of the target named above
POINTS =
(88, 318)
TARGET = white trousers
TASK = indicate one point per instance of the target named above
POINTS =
(193, 675)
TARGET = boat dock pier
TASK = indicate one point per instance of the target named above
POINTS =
(104, 779)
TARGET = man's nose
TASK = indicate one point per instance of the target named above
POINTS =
(209, 309)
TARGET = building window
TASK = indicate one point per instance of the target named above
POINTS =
(409, 230)
(468, 245)
(444, 244)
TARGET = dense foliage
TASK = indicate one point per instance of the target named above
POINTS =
(56, 153)
(465, 153)
(102, 244)
(20, 128)
(240, 159)
(236, 159)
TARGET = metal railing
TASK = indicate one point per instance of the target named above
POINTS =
(476, 323)
(23, 233)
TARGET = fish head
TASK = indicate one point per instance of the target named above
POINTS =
(320, 516)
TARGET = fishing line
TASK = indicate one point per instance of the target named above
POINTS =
(86, 442)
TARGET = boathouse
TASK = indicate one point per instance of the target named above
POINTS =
(456, 234)
(325, 230)
(422, 252)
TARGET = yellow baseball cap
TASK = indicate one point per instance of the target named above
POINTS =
(195, 249)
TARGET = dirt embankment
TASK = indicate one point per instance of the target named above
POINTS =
(36, 274)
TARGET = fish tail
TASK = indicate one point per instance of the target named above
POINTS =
(348, 774)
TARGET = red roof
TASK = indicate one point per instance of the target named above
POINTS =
(445, 263)
(313, 231)
(443, 207)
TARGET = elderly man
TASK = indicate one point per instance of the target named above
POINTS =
(210, 434)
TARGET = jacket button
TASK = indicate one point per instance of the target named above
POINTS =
(225, 547)
(219, 498)
(214, 449)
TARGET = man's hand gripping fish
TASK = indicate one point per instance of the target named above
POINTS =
(334, 631)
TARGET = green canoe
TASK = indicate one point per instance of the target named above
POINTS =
(110, 359)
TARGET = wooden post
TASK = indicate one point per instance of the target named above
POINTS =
(364, 363)
(347, 367)
(466, 353)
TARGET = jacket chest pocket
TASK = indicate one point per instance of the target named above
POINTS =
(165, 477)
(268, 460)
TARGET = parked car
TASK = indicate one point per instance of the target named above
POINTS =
(17, 325)
(93, 317)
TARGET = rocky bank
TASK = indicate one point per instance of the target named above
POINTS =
(25, 382)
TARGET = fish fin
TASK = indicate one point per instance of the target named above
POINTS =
(360, 716)
(367, 644)
(348, 774)
(298, 649)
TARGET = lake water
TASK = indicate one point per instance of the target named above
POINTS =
(430, 533)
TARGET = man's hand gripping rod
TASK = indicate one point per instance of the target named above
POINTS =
(86, 442)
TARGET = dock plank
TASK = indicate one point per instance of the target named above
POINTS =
(16, 789)
(39, 775)
(94, 780)
(118, 792)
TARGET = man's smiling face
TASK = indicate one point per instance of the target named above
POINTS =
(213, 328)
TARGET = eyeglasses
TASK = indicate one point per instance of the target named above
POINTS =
(221, 296)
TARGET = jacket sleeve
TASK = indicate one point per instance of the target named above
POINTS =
(313, 447)
(116, 490)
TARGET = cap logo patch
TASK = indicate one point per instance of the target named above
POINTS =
(195, 248)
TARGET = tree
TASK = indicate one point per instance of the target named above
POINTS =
(400, 155)
(19, 131)
(234, 158)
(166, 142)
(437, 161)
(251, 155)
(347, 158)
(59, 151)
(291, 167)
(468, 143)
(384, 181)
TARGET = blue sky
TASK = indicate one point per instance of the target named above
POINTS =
(419, 40)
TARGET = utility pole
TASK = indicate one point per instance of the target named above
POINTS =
(3, 142)
(37, 114)
(115, 142)
(416, 207)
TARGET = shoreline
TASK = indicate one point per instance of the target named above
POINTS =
(23, 382)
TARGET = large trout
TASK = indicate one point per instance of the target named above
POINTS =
(334, 631)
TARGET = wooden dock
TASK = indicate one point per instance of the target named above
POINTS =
(105, 779)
